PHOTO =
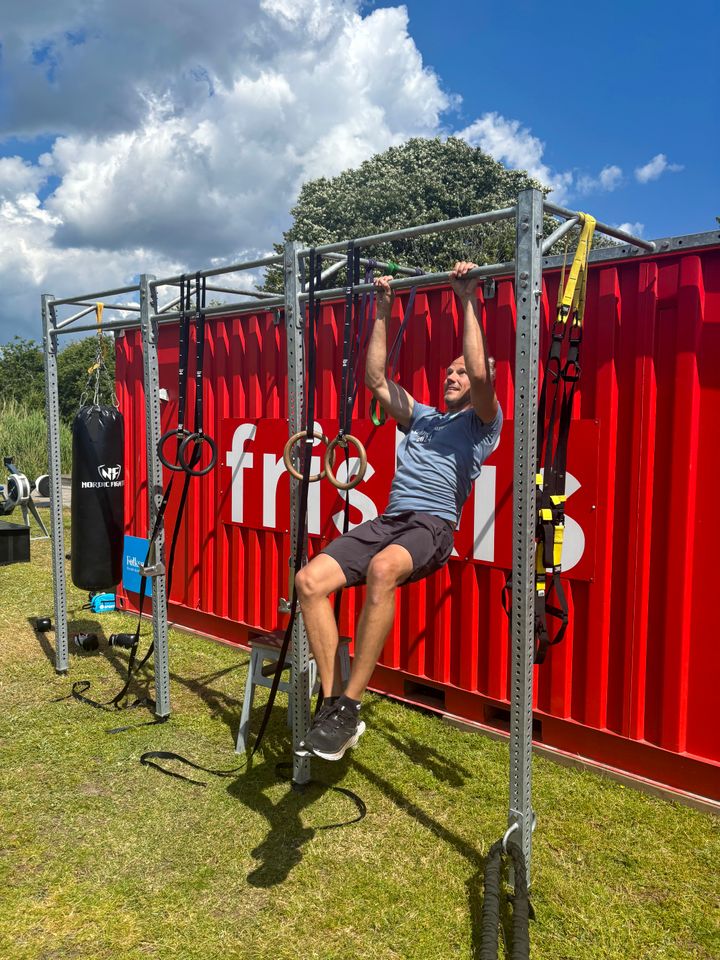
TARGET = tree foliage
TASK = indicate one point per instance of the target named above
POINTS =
(75, 383)
(421, 181)
(22, 373)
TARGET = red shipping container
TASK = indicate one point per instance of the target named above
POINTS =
(632, 685)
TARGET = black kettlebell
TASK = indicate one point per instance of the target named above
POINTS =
(86, 641)
(125, 640)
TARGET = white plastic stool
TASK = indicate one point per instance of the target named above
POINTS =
(265, 649)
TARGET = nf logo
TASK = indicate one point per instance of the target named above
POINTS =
(109, 473)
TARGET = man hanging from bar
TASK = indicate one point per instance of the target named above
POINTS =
(438, 459)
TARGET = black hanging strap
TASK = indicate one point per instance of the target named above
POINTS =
(187, 460)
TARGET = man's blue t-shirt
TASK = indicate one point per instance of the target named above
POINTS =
(438, 459)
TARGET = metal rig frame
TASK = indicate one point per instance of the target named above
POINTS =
(529, 213)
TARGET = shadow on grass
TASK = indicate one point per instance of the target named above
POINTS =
(456, 775)
(221, 704)
(282, 848)
(419, 753)
(474, 883)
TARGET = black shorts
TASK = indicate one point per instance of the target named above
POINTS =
(428, 539)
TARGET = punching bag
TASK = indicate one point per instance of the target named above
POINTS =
(97, 510)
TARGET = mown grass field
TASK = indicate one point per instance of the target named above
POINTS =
(103, 858)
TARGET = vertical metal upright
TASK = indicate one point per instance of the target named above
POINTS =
(151, 376)
(52, 407)
(300, 660)
(528, 288)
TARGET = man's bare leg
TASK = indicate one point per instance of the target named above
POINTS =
(387, 570)
(314, 583)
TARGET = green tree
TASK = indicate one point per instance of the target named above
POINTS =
(74, 380)
(421, 181)
(22, 375)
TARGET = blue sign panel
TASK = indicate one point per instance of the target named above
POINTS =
(134, 554)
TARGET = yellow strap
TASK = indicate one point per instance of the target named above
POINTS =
(101, 352)
(558, 536)
(573, 293)
(561, 287)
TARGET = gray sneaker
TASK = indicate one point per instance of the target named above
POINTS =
(335, 729)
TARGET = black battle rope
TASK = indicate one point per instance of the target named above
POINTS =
(186, 465)
(283, 770)
(490, 918)
(315, 264)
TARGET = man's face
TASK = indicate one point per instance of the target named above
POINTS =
(456, 389)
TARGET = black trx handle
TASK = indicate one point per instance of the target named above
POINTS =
(185, 464)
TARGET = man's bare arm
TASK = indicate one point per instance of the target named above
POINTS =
(390, 395)
(475, 354)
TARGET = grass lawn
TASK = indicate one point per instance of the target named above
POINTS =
(102, 858)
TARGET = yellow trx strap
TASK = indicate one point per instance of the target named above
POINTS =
(100, 356)
(571, 295)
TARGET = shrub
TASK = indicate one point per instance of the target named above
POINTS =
(23, 436)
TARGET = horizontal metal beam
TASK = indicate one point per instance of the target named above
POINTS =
(558, 234)
(224, 310)
(76, 316)
(602, 227)
(228, 309)
(333, 269)
(381, 265)
(259, 294)
(688, 241)
(425, 280)
(129, 307)
(77, 301)
(218, 271)
(442, 226)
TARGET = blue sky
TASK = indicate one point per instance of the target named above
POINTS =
(611, 84)
(163, 137)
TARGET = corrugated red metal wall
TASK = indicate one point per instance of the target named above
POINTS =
(634, 683)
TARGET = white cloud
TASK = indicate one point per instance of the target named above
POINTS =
(636, 229)
(609, 178)
(178, 142)
(514, 145)
(655, 168)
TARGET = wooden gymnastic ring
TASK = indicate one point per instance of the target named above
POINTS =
(288, 450)
(344, 439)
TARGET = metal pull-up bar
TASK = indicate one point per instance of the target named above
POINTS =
(600, 227)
